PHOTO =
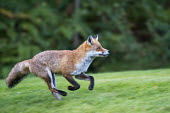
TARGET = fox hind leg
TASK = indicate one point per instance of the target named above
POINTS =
(52, 85)
(53, 81)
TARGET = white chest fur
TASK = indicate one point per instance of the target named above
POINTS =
(83, 65)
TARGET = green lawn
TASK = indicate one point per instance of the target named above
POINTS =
(116, 92)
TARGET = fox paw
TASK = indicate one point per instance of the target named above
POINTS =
(63, 93)
(91, 87)
(73, 88)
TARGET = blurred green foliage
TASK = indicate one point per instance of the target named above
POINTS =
(136, 32)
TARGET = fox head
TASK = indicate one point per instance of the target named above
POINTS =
(94, 48)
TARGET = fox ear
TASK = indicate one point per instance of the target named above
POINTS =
(90, 40)
(96, 36)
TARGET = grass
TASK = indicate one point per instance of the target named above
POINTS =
(117, 92)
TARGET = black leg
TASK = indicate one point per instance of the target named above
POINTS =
(91, 86)
(73, 82)
(53, 78)
(84, 76)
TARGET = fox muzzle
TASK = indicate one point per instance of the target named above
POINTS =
(104, 54)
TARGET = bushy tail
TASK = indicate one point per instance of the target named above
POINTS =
(18, 72)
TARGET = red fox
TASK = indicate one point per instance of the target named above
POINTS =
(65, 62)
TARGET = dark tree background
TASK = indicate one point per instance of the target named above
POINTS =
(137, 32)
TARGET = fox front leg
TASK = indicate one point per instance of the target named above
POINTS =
(70, 79)
(84, 76)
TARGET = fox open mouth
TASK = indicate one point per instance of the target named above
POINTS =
(103, 55)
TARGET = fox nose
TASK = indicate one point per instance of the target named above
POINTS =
(106, 52)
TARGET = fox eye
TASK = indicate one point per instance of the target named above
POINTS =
(98, 48)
